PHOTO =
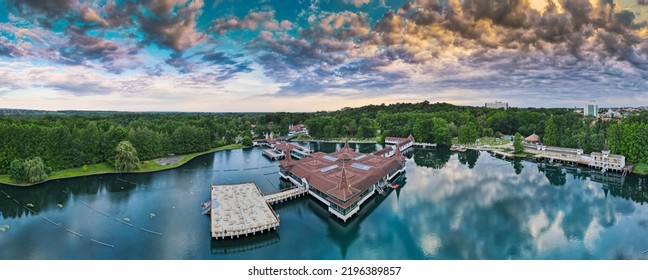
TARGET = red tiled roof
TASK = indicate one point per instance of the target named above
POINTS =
(329, 182)
(532, 138)
(297, 127)
(271, 141)
(287, 147)
(395, 139)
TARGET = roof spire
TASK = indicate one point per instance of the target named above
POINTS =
(344, 184)
(398, 154)
(346, 144)
(287, 160)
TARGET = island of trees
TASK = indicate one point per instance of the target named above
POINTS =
(35, 144)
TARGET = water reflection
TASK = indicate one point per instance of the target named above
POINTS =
(448, 205)
(436, 159)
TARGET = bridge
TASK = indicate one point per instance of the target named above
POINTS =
(284, 195)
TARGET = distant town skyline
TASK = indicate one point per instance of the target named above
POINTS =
(304, 56)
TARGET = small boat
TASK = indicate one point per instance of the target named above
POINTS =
(206, 208)
(394, 186)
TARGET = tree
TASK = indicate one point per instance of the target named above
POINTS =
(517, 143)
(29, 171)
(551, 137)
(35, 170)
(16, 170)
(468, 133)
(247, 141)
(126, 157)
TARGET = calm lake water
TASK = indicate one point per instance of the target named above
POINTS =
(450, 206)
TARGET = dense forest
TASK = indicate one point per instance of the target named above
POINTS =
(75, 139)
(67, 139)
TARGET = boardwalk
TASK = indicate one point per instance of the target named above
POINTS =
(284, 195)
(239, 210)
(503, 154)
(576, 160)
(272, 154)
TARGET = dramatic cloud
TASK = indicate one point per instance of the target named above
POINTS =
(253, 21)
(357, 3)
(460, 51)
(172, 23)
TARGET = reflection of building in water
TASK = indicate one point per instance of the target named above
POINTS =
(608, 178)
(229, 246)
(344, 234)
(634, 188)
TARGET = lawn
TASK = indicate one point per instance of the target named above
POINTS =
(641, 168)
(102, 168)
(491, 141)
(485, 141)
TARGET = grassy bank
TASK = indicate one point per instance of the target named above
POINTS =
(641, 168)
(105, 168)
(484, 141)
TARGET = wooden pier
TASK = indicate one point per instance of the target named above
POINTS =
(572, 160)
(503, 155)
(272, 154)
(240, 210)
(284, 195)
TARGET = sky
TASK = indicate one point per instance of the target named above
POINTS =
(295, 55)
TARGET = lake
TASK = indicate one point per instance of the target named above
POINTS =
(449, 206)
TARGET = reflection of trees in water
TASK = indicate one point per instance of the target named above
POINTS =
(48, 195)
(489, 215)
(517, 166)
(631, 187)
(634, 188)
(436, 159)
(469, 158)
(555, 174)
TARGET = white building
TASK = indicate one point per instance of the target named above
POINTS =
(590, 110)
(497, 105)
(297, 129)
(606, 161)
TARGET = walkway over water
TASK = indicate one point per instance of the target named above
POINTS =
(283, 195)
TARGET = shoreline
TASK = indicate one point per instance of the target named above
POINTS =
(529, 156)
(336, 141)
(146, 169)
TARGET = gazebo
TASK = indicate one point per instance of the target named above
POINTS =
(533, 138)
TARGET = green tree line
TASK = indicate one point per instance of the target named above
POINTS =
(73, 140)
